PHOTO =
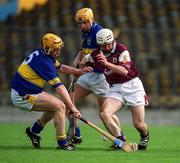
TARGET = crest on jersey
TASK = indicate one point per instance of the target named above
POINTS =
(114, 60)
(88, 41)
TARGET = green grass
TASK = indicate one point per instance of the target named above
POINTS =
(164, 147)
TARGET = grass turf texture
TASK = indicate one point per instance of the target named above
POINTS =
(15, 147)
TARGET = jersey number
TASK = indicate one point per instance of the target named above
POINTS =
(30, 57)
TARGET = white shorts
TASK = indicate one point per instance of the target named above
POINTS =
(95, 82)
(23, 102)
(130, 93)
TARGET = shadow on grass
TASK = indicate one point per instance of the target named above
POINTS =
(92, 149)
(25, 147)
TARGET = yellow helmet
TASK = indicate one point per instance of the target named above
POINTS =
(84, 14)
(51, 42)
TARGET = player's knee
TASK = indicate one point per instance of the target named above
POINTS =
(60, 106)
(104, 115)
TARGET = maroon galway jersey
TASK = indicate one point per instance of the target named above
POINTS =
(113, 57)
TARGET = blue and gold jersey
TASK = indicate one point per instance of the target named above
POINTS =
(90, 44)
(37, 69)
(89, 39)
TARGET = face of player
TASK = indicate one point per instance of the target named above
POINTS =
(107, 47)
(85, 26)
(55, 53)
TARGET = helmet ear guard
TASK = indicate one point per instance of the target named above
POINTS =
(84, 14)
(51, 42)
(104, 36)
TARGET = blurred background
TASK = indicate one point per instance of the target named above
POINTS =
(149, 28)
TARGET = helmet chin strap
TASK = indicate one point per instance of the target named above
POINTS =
(47, 52)
(91, 22)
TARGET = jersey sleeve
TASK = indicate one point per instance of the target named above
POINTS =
(47, 70)
(57, 64)
(124, 57)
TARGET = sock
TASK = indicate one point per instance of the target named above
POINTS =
(77, 132)
(142, 136)
(62, 140)
(37, 127)
(122, 137)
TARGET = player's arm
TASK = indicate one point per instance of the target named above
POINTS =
(48, 73)
(63, 93)
(71, 70)
(115, 68)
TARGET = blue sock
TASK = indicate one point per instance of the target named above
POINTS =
(77, 132)
(62, 142)
(37, 127)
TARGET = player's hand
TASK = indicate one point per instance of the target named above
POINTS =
(85, 70)
(102, 59)
(75, 112)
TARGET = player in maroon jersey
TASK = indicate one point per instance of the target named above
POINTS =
(126, 87)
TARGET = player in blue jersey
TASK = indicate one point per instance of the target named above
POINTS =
(27, 92)
(93, 82)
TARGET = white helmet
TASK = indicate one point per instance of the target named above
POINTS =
(104, 36)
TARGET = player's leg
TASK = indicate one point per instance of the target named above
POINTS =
(53, 108)
(116, 120)
(138, 116)
(137, 100)
(37, 127)
(100, 101)
(74, 133)
(109, 107)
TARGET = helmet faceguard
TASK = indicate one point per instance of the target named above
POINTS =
(84, 14)
(51, 43)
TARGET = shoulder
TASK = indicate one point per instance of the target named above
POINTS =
(35, 57)
(120, 47)
(96, 27)
(40, 54)
(43, 59)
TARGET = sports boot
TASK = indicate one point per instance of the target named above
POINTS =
(76, 140)
(143, 142)
(68, 146)
(35, 139)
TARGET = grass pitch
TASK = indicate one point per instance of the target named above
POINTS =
(15, 147)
